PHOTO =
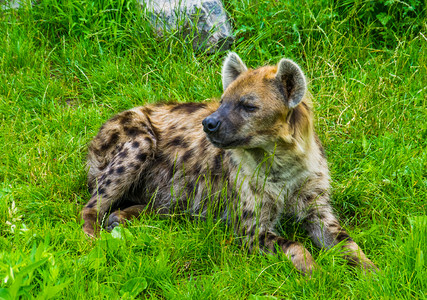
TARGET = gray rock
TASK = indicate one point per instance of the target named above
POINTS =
(204, 22)
(12, 4)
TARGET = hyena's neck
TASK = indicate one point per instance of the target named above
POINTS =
(281, 163)
(276, 165)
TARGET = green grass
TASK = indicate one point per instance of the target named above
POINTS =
(66, 67)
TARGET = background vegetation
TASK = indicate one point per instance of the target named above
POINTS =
(67, 66)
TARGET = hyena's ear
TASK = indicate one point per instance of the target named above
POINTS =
(292, 79)
(232, 68)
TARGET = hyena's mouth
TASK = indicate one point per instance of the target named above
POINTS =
(228, 144)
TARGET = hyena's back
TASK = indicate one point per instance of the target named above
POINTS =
(155, 154)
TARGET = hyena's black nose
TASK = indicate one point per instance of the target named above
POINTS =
(211, 124)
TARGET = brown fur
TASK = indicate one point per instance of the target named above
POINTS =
(257, 160)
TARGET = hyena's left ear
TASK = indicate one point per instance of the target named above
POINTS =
(232, 68)
(292, 79)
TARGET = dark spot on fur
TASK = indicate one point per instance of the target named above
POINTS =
(271, 237)
(141, 156)
(342, 235)
(247, 214)
(187, 155)
(135, 144)
(190, 188)
(125, 118)
(321, 215)
(197, 169)
(177, 142)
(132, 131)
(188, 107)
(120, 170)
(114, 118)
(90, 186)
(110, 142)
(262, 239)
(333, 227)
(101, 191)
(321, 192)
(307, 198)
(108, 182)
(123, 154)
(252, 233)
(217, 162)
(204, 144)
(334, 224)
(90, 204)
(111, 171)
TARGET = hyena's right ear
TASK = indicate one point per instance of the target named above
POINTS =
(232, 68)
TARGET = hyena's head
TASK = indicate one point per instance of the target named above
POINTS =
(260, 107)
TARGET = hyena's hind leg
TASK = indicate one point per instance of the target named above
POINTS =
(116, 179)
(326, 232)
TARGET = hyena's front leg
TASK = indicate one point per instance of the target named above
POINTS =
(115, 180)
(259, 233)
(326, 232)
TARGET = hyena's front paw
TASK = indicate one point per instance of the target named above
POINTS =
(115, 219)
(369, 267)
(89, 230)
(302, 259)
(356, 257)
(90, 226)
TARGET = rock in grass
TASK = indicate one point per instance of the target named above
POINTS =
(13, 4)
(202, 22)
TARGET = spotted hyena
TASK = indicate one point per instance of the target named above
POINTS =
(250, 158)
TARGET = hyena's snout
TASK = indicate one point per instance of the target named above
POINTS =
(221, 131)
(211, 124)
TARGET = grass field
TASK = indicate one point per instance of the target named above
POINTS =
(68, 66)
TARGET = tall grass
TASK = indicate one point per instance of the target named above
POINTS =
(67, 66)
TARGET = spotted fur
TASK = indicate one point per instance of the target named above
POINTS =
(249, 159)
